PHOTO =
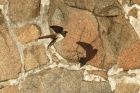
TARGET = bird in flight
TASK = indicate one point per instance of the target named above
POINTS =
(58, 36)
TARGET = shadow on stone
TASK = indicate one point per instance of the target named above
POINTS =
(90, 53)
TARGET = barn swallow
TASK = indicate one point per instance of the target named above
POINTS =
(58, 36)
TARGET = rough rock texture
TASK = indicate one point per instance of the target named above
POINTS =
(81, 29)
(35, 56)
(130, 58)
(2, 1)
(55, 58)
(96, 38)
(59, 80)
(83, 4)
(127, 88)
(28, 33)
(77, 29)
(99, 36)
(23, 9)
(126, 2)
(100, 73)
(9, 56)
(136, 1)
(107, 8)
(9, 89)
(133, 12)
(116, 34)
(98, 7)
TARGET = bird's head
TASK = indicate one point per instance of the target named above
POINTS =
(64, 33)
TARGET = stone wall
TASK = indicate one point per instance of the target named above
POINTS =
(102, 34)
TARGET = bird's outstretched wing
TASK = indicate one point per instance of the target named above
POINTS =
(57, 29)
(52, 42)
(48, 36)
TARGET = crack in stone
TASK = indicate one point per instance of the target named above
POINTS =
(95, 14)
(79, 41)
(78, 7)
(63, 16)
(104, 57)
(5, 41)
